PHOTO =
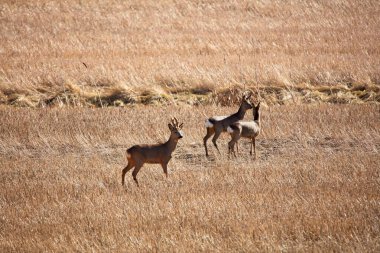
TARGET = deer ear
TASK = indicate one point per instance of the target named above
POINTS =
(170, 126)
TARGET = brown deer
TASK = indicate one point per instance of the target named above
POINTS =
(157, 154)
(246, 129)
(218, 124)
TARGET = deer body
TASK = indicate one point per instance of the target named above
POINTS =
(246, 129)
(153, 153)
(138, 155)
(219, 124)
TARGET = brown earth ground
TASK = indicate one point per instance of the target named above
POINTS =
(315, 185)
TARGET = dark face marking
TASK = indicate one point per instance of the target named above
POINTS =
(247, 104)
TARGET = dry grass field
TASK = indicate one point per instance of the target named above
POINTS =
(112, 52)
(315, 185)
(82, 81)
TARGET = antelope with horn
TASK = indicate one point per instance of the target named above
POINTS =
(219, 124)
(138, 155)
(246, 129)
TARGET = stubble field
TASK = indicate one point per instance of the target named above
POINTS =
(82, 81)
(314, 185)
(100, 53)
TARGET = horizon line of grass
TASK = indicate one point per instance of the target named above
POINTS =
(116, 95)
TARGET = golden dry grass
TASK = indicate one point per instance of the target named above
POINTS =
(161, 47)
(314, 187)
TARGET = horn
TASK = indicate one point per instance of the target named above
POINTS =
(176, 121)
(172, 122)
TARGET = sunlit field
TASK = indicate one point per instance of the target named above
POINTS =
(102, 53)
(82, 81)
(313, 186)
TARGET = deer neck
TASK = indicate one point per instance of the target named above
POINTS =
(240, 113)
(256, 117)
(171, 144)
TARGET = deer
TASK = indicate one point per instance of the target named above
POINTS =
(246, 129)
(138, 155)
(219, 124)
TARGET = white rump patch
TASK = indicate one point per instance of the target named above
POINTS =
(128, 155)
(230, 130)
(208, 124)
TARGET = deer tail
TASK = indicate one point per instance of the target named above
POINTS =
(129, 153)
(209, 123)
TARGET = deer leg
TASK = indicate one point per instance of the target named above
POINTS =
(235, 136)
(165, 167)
(231, 147)
(250, 152)
(135, 171)
(125, 170)
(210, 132)
(215, 138)
(254, 146)
(237, 147)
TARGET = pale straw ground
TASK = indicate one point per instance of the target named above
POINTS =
(314, 186)
(117, 52)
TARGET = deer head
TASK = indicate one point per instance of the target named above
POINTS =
(245, 102)
(256, 108)
(176, 129)
(255, 111)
